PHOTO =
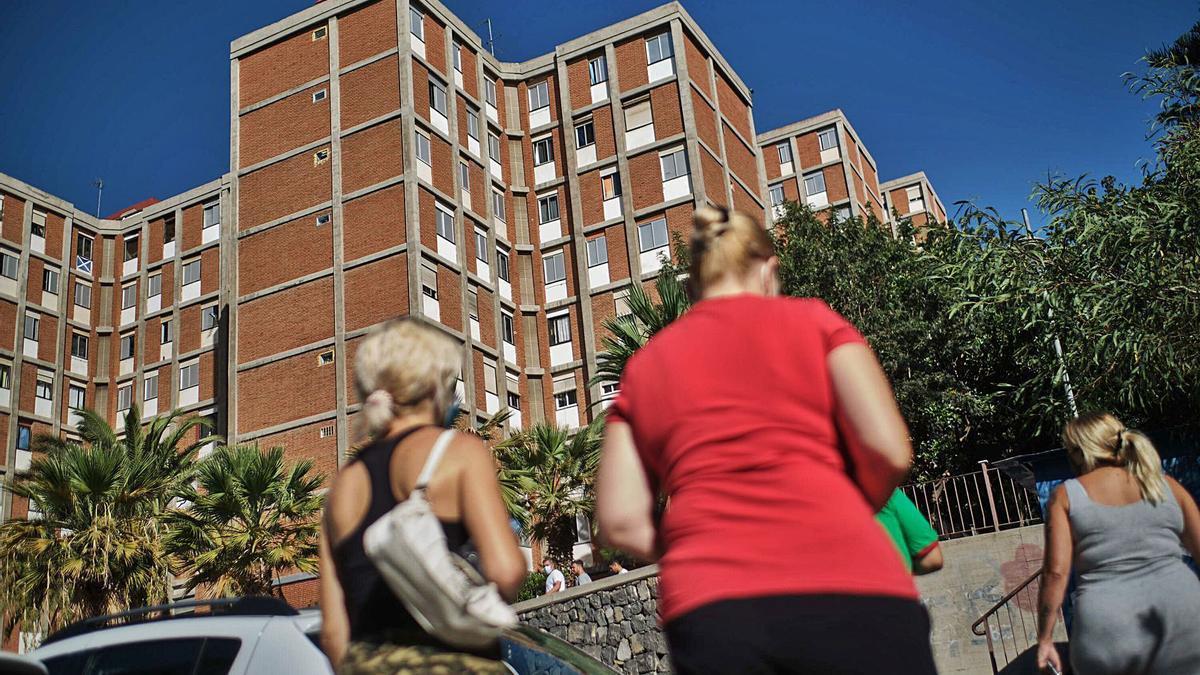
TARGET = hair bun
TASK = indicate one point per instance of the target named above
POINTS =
(710, 222)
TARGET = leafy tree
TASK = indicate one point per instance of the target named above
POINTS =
(249, 517)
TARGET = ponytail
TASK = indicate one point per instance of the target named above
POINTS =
(1141, 459)
(1099, 439)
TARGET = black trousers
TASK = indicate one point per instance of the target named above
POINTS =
(825, 634)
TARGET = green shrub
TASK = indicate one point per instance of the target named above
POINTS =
(535, 585)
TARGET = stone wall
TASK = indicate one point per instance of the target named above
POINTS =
(613, 619)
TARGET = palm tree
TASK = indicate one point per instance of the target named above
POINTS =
(248, 518)
(95, 542)
(551, 473)
(630, 332)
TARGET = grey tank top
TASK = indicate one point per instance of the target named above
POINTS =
(1114, 542)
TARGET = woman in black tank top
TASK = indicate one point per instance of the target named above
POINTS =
(405, 373)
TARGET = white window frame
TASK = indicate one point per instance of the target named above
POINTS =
(165, 333)
(554, 267)
(464, 176)
(33, 326)
(498, 204)
(210, 317)
(556, 326)
(598, 69)
(502, 265)
(670, 162)
(83, 263)
(653, 229)
(784, 150)
(213, 208)
(457, 52)
(827, 136)
(508, 328)
(597, 251)
(10, 265)
(436, 88)
(150, 393)
(489, 91)
(85, 295)
(472, 124)
(190, 372)
(636, 107)
(659, 48)
(50, 280)
(124, 397)
(493, 147)
(76, 396)
(127, 339)
(79, 339)
(481, 245)
(814, 176)
(444, 223)
(548, 208)
(424, 149)
(613, 179)
(191, 265)
(129, 296)
(776, 195)
(43, 389)
(154, 285)
(543, 151)
(585, 134)
(539, 96)
(416, 22)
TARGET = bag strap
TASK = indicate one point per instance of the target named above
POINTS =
(435, 456)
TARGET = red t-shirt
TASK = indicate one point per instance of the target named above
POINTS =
(732, 410)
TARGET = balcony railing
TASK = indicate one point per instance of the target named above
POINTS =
(987, 500)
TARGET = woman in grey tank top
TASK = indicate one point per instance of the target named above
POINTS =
(1123, 526)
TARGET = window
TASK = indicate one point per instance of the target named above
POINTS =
(502, 265)
(418, 23)
(814, 184)
(554, 266)
(326, 431)
(167, 334)
(638, 115)
(429, 282)
(489, 378)
(560, 329)
(8, 265)
(464, 176)
(150, 387)
(5, 376)
(323, 219)
(674, 164)
(564, 392)
(481, 245)
(424, 152)
(914, 196)
(785, 152)
(212, 213)
(539, 96)
(319, 95)
(24, 435)
(44, 390)
(76, 397)
(168, 229)
(83, 253)
(493, 147)
(548, 208)
(325, 358)
(489, 92)
(776, 195)
(514, 399)
(609, 390)
(320, 33)
(597, 251)
(458, 58)
(658, 47)
(653, 234)
(585, 134)
(507, 328)
(473, 124)
(498, 204)
(321, 156)
(473, 304)
(543, 151)
(191, 272)
(189, 376)
(83, 295)
(828, 139)
(79, 345)
(50, 281)
(598, 69)
(445, 225)
(129, 296)
(38, 226)
(209, 316)
(610, 186)
(124, 397)
(127, 346)
(437, 96)
(32, 324)
(154, 285)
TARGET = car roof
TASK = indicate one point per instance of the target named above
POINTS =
(244, 628)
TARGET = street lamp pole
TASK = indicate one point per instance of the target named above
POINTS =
(1057, 343)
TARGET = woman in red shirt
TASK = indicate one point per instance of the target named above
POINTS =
(768, 424)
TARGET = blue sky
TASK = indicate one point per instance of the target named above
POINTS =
(984, 97)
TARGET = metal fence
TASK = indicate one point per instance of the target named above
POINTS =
(1010, 626)
(987, 500)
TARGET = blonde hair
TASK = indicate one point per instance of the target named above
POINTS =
(725, 243)
(1099, 438)
(402, 364)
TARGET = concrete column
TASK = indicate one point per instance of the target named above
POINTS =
(229, 266)
(855, 209)
(712, 79)
(339, 275)
(412, 213)
(683, 83)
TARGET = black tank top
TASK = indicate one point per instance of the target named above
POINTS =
(370, 603)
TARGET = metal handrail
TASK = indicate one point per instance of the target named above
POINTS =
(1003, 601)
(982, 626)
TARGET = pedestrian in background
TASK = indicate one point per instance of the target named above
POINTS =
(771, 559)
(581, 575)
(555, 581)
(1123, 525)
(912, 534)
(615, 567)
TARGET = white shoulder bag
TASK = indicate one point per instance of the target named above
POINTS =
(446, 596)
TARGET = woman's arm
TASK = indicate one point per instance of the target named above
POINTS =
(1191, 518)
(879, 445)
(1056, 568)
(486, 519)
(335, 623)
(624, 498)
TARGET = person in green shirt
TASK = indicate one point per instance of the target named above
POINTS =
(913, 535)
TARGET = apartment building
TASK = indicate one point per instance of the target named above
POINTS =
(913, 197)
(105, 314)
(821, 161)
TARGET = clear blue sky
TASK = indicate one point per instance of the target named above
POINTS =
(984, 97)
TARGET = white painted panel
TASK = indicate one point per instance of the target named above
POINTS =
(918, 205)
(153, 304)
(560, 354)
(49, 300)
(206, 450)
(430, 307)
(640, 136)
(169, 250)
(677, 187)
(819, 200)
(42, 407)
(458, 79)
(129, 267)
(37, 244)
(567, 417)
(418, 45)
(514, 420)
(447, 248)
(83, 314)
(599, 92)
(460, 390)
(191, 291)
(660, 70)
(189, 396)
(465, 197)
(612, 208)
(544, 173)
(8, 286)
(501, 229)
(483, 269)
(491, 113)
(550, 231)
(5, 397)
(505, 290)
(30, 348)
(150, 408)
(474, 328)
(166, 351)
(598, 276)
(120, 425)
(556, 291)
(424, 171)
(650, 259)
(74, 418)
(778, 211)
(510, 353)
(128, 316)
(785, 168)
(207, 337)
(494, 167)
(79, 366)
(473, 146)
(210, 234)
(829, 155)
(491, 403)
(439, 121)
(586, 155)
(539, 117)
(126, 366)
(24, 459)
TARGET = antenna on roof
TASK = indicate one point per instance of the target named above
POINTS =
(99, 185)
(491, 41)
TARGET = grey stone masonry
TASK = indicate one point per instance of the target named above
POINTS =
(614, 619)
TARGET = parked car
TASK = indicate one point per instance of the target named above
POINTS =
(12, 664)
(246, 635)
